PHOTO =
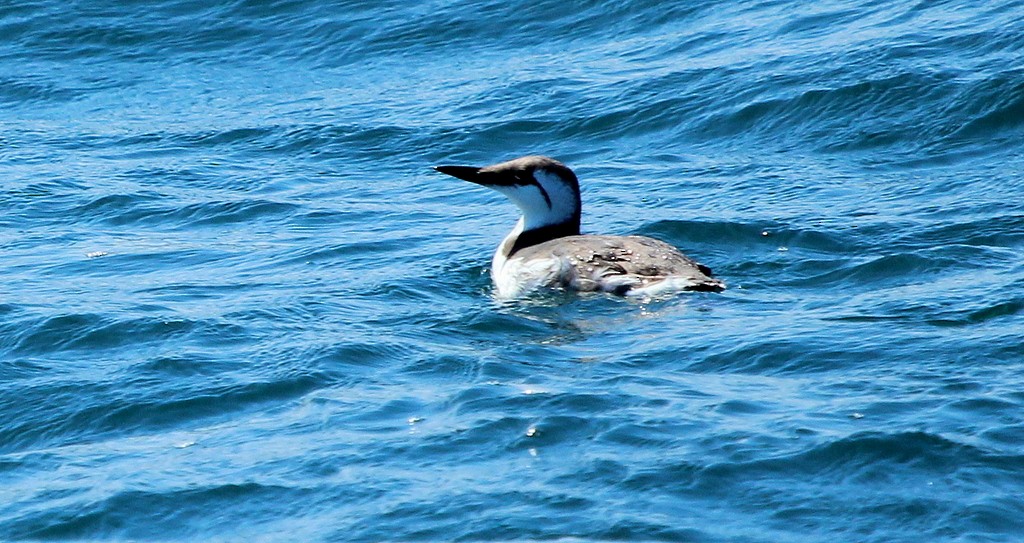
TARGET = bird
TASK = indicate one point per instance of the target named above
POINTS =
(545, 250)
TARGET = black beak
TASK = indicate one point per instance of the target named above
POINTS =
(466, 173)
(484, 176)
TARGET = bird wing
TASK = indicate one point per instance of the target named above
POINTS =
(622, 264)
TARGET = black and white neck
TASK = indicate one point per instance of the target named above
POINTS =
(545, 190)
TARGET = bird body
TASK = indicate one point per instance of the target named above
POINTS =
(546, 250)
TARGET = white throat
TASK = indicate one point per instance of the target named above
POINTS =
(561, 203)
(505, 247)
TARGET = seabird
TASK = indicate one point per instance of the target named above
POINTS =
(546, 250)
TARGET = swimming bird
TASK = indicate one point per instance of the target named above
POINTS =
(546, 249)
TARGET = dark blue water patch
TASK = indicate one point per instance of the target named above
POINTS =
(1000, 412)
(229, 142)
(182, 365)
(996, 107)
(350, 358)
(387, 418)
(356, 252)
(1007, 435)
(145, 514)
(908, 472)
(537, 324)
(647, 435)
(870, 456)
(651, 117)
(825, 115)
(782, 356)
(6, 310)
(465, 513)
(820, 24)
(130, 211)
(1005, 230)
(247, 138)
(103, 207)
(996, 311)
(86, 331)
(136, 262)
(906, 111)
(138, 405)
(371, 140)
(469, 277)
(13, 369)
(879, 272)
(101, 32)
(10, 466)
(937, 315)
(451, 366)
(770, 235)
(19, 91)
(194, 290)
(612, 527)
(482, 438)
(496, 398)
(40, 197)
(471, 26)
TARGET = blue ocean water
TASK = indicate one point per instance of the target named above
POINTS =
(236, 303)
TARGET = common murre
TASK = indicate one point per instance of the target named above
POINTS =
(546, 250)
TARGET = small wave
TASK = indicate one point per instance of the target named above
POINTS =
(879, 271)
(27, 90)
(146, 514)
(46, 336)
(999, 106)
(970, 314)
(771, 235)
(1005, 230)
(146, 209)
(68, 413)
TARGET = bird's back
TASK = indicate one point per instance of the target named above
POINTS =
(629, 265)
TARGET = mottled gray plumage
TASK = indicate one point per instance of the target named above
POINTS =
(622, 263)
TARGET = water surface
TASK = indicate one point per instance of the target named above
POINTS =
(238, 304)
